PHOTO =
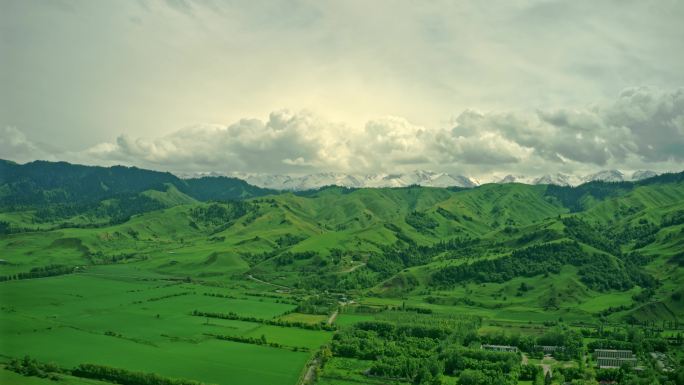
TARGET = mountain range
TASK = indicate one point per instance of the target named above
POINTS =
(417, 177)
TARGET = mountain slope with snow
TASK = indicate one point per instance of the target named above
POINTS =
(417, 177)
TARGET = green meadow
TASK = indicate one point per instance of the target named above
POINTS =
(144, 325)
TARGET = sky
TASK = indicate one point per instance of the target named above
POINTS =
(467, 87)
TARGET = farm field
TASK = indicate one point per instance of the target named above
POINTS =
(130, 323)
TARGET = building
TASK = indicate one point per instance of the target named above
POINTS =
(500, 348)
(549, 349)
(610, 358)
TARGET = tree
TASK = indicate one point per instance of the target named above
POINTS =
(471, 377)
(326, 355)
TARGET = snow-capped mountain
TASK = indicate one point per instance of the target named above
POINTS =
(313, 181)
(557, 179)
(605, 176)
(515, 179)
(643, 174)
(418, 177)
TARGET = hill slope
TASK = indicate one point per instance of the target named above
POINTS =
(599, 240)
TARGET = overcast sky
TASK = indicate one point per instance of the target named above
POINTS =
(468, 87)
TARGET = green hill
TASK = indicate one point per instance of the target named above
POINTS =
(395, 242)
(162, 270)
(44, 194)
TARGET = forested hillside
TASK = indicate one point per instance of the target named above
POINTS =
(51, 193)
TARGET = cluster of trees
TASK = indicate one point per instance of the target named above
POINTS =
(396, 257)
(287, 258)
(598, 271)
(117, 209)
(317, 304)
(219, 215)
(161, 297)
(127, 377)
(582, 231)
(480, 367)
(331, 280)
(673, 219)
(424, 370)
(289, 240)
(421, 221)
(220, 295)
(99, 258)
(255, 258)
(5, 228)
(642, 234)
(394, 354)
(40, 272)
(273, 322)
(420, 348)
(628, 376)
(254, 341)
(29, 367)
(574, 197)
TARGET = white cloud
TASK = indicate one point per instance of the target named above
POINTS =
(642, 128)
(16, 146)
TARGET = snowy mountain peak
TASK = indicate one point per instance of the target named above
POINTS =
(417, 177)
(605, 176)
(557, 179)
(643, 174)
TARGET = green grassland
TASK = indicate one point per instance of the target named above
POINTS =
(85, 288)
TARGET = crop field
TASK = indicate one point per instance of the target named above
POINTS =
(146, 325)
(306, 318)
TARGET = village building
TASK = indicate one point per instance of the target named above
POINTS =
(549, 349)
(612, 359)
(500, 348)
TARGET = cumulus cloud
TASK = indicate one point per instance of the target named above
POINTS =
(641, 128)
(16, 146)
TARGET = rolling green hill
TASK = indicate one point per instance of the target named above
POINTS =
(215, 261)
(47, 194)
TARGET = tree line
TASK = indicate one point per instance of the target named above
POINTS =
(273, 322)
(40, 272)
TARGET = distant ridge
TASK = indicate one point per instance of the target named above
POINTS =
(41, 183)
(44, 182)
(287, 182)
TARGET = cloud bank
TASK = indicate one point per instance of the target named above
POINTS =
(641, 129)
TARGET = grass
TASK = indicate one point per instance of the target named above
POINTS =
(76, 312)
(306, 318)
